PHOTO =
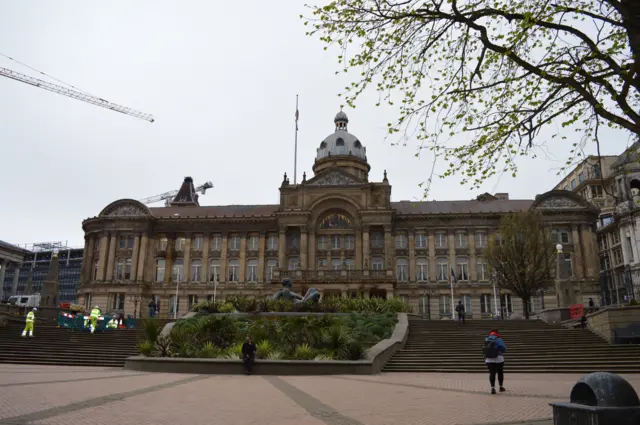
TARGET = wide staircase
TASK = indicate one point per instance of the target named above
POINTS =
(58, 346)
(532, 346)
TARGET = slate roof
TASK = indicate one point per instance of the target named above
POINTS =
(402, 207)
(12, 247)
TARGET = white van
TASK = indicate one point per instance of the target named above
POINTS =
(25, 300)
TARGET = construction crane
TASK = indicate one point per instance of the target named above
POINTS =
(168, 196)
(75, 94)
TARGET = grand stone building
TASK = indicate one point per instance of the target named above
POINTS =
(337, 231)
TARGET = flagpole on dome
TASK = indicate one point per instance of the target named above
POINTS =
(295, 152)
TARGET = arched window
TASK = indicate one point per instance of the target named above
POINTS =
(323, 145)
(357, 144)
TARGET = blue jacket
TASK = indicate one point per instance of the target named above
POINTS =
(502, 348)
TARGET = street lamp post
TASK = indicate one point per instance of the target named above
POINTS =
(495, 295)
(136, 299)
(215, 286)
(559, 293)
(175, 301)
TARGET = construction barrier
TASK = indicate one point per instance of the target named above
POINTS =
(83, 322)
(576, 311)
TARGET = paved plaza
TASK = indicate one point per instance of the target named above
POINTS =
(70, 395)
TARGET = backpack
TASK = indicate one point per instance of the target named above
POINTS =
(490, 348)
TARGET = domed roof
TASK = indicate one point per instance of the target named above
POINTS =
(341, 142)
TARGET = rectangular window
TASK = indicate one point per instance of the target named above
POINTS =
(272, 243)
(323, 243)
(466, 302)
(271, 266)
(443, 269)
(214, 271)
(566, 270)
(573, 184)
(486, 304)
(254, 243)
(322, 263)
(581, 177)
(192, 300)
(596, 191)
(160, 263)
(617, 256)
(350, 263)
(401, 241)
(402, 270)
(482, 269)
(117, 302)
(179, 245)
(630, 249)
(421, 240)
(336, 242)
(377, 240)
(293, 241)
(196, 270)
(294, 263)
(162, 244)
(422, 271)
(349, 242)
(234, 270)
(560, 235)
(481, 239)
(198, 243)
(461, 240)
(216, 242)
(377, 263)
(126, 242)
(336, 264)
(94, 276)
(177, 271)
(615, 236)
(445, 305)
(234, 243)
(174, 304)
(252, 271)
(462, 268)
(441, 239)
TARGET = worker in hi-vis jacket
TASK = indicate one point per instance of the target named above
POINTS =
(113, 323)
(28, 327)
(95, 314)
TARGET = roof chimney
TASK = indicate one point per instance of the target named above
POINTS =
(502, 196)
(186, 196)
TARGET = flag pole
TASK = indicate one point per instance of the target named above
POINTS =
(295, 152)
(453, 310)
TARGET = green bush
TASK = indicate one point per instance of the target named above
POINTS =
(304, 352)
(151, 329)
(146, 347)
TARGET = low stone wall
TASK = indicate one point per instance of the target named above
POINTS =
(375, 359)
(603, 322)
(555, 316)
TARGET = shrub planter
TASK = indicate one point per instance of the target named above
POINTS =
(376, 358)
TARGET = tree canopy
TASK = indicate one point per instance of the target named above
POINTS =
(522, 256)
(498, 70)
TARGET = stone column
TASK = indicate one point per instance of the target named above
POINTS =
(388, 249)
(102, 259)
(304, 248)
(134, 258)
(577, 260)
(366, 244)
(16, 278)
(312, 252)
(432, 256)
(473, 270)
(205, 257)
(3, 268)
(243, 257)
(168, 259)
(223, 258)
(187, 258)
(112, 256)
(358, 248)
(261, 251)
(412, 255)
(87, 259)
(144, 242)
(589, 251)
(282, 248)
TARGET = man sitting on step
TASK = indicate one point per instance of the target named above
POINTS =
(113, 323)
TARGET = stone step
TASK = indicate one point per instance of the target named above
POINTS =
(72, 362)
(542, 369)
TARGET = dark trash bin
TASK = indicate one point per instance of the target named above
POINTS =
(599, 398)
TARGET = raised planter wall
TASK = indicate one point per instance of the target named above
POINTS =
(375, 359)
(604, 321)
(555, 316)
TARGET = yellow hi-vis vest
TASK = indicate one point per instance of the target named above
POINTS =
(31, 317)
(113, 323)
(95, 313)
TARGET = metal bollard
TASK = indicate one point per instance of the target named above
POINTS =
(599, 398)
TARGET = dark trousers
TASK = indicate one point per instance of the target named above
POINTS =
(461, 318)
(248, 364)
(493, 369)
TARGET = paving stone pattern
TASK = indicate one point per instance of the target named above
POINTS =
(58, 395)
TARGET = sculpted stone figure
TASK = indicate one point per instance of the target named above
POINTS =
(287, 294)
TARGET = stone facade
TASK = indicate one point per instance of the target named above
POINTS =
(336, 232)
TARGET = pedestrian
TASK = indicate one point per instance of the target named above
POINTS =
(28, 327)
(583, 321)
(152, 308)
(248, 355)
(493, 351)
(113, 323)
(95, 314)
(460, 311)
(591, 305)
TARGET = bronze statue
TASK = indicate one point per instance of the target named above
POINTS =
(287, 294)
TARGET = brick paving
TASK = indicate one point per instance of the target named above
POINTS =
(49, 395)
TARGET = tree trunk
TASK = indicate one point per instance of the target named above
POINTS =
(630, 11)
(525, 307)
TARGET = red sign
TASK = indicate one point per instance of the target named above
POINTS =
(576, 311)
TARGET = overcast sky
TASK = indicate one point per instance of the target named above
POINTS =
(220, 78)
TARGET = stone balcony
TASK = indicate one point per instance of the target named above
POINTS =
(334, 276)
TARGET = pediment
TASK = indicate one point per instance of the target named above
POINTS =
(125, 208)
(334, 178)
(558, 203)
(562, 200)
